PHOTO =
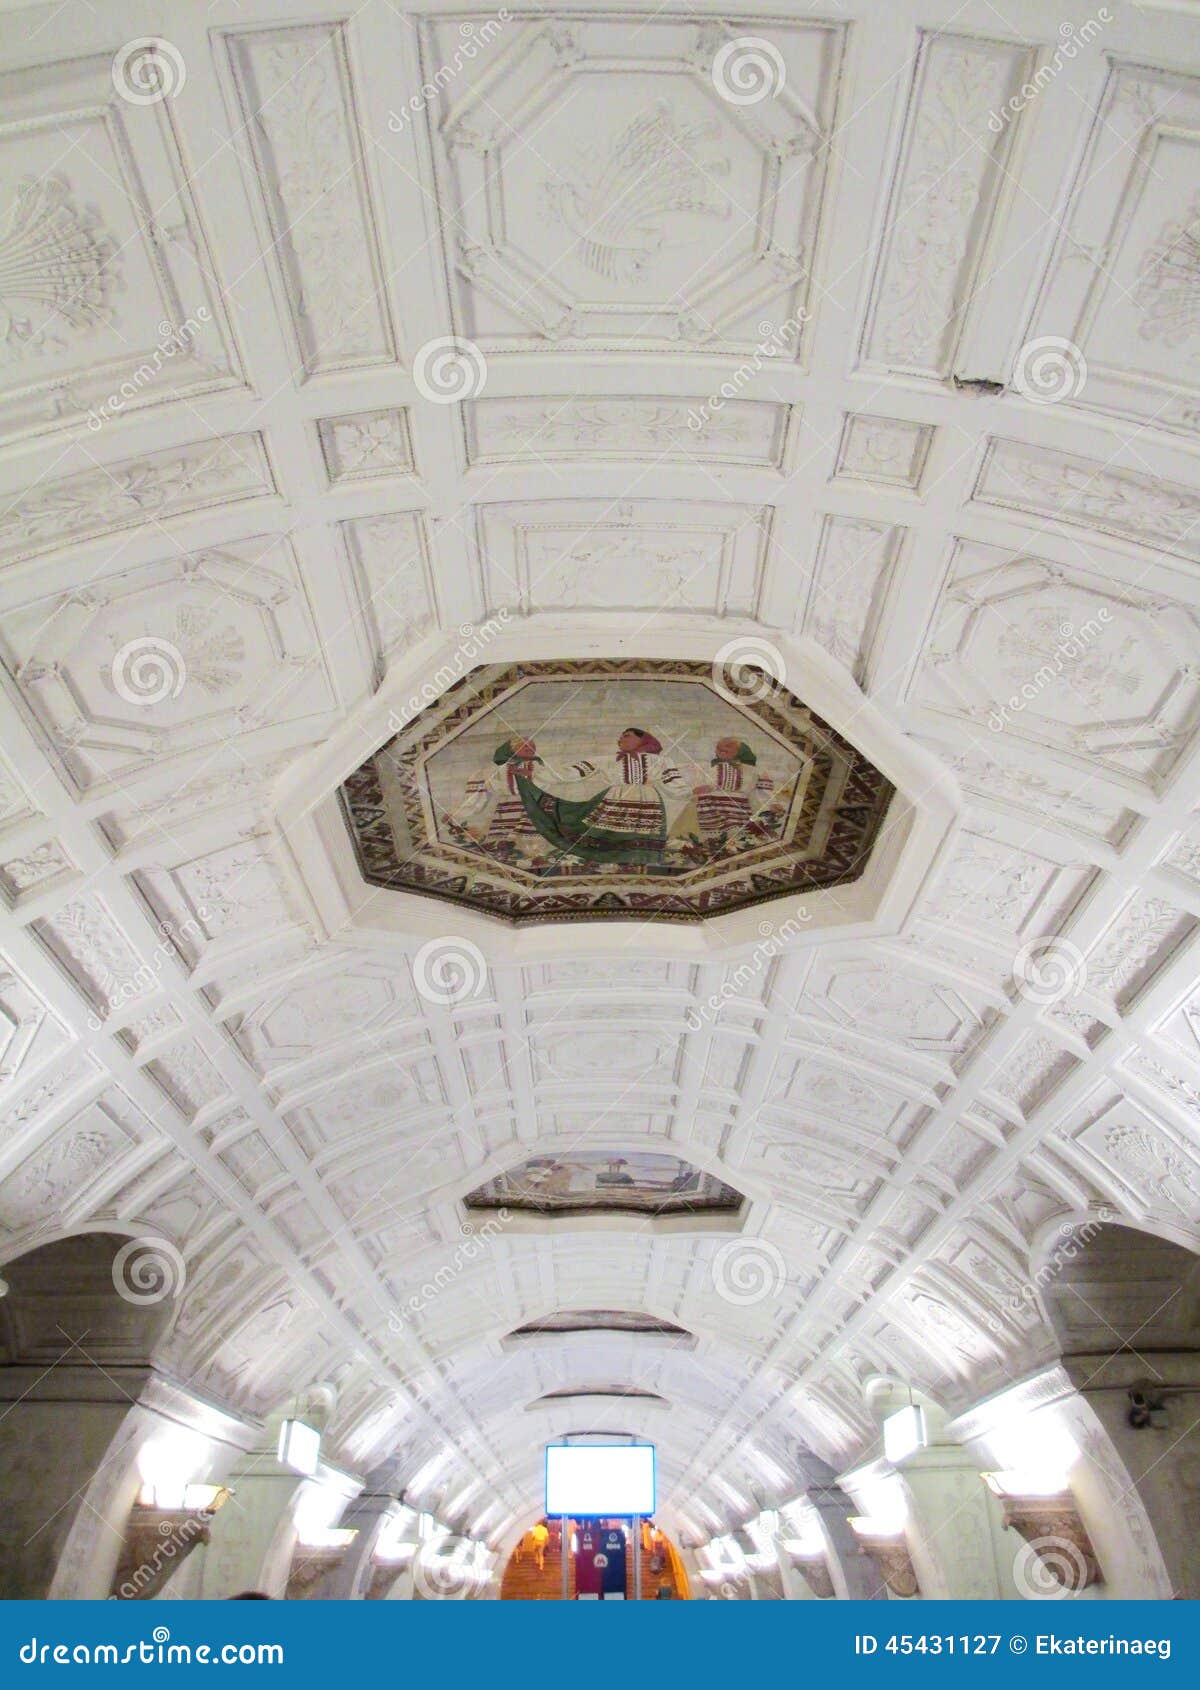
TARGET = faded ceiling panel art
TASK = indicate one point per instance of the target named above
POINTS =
(594, 1182)
(593, 789)
(600, 1320)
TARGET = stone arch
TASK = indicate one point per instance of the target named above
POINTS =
(74, 1354)
(70, 1286)
(1124, 1306)
(1112, 1285)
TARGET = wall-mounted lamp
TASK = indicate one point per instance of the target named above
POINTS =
(876, 1525)
(299, 1447)
(1017, 1481)
(191, 1499)
(904, 1433)
(327, 1537)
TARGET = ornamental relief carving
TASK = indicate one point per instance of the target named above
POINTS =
(1147, 510)
(1157, 1167)
(620, 202)
(1070, 660)
(883, 450)
(48, 1180)
(1122, 283)
(29, 1034)
(1168, 290)
(390, 563)
(654, 213)
(58, 269)
(855, 560)
(302, 128)
(1137, 944)
(738, 431)
(168, 657)
(98, 502)
(109, 302)
(581, 554)
(366, 445)
(943, 199)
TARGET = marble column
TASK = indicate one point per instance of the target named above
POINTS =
(76, 1445)
(854, 1577)
(1121, 1506)
(1162, 1457)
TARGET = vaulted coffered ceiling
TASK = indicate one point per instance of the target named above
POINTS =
(343, 354)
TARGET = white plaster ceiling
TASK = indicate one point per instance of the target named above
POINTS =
(191, 1054)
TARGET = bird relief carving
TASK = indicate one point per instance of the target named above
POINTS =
(619, 205)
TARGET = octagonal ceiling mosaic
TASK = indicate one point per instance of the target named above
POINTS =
(595, 1182)
(614, 789)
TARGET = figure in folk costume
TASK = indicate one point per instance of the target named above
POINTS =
(728, 803)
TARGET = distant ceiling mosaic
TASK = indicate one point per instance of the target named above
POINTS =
(565, 1321)
(613, 789)
(592, 1182)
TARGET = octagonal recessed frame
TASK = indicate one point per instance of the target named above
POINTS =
(316, 853)
(749, 1218)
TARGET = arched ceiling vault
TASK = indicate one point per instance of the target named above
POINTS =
(893, 367)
